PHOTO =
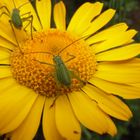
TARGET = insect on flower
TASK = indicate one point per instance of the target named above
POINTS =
(62, 74)
(16, 19)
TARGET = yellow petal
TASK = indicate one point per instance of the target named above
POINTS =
(88, 113)
(99, 22)
(122, 53)
(49, 123)
(66, 122)
(7, 83)
(136, 85)
(6, 44)
(116, 40)
(112, 130)
(125, 91)
(130, 63)
(15, 105)
(5, 61)
(4, 53)
(60, 15)
(108, 103)
(107, 33)
(6, 31)
(83, 16)
(5, 71)
(118, 72)
(29, 127)
(44, 12)
(5, 28)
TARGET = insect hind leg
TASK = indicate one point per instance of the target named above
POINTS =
(4, 7)
(7, 12)
(30, 21)
(4, 13)
(73, 75)
(14, 34)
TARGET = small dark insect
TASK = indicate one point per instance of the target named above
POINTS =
(75, 132)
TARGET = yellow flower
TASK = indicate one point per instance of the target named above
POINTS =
(100, 64)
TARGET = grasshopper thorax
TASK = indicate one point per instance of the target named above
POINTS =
(57, 60)
(16, 19)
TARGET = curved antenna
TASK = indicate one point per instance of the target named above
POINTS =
(23, 4)
(72, 43)
(41, 52)
(63, 48)
(14, 3)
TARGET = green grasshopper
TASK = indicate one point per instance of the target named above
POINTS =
(62, 74)
(16, 19)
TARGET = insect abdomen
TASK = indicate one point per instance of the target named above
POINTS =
(63, 75)
(16, 19)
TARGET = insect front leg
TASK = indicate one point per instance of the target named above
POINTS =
(72, 57)
(7, 10)
(44, 63)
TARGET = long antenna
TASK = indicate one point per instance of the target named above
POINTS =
(72, 43)
(23, 4)
(14, 3)
(41, 52)
(63, 48)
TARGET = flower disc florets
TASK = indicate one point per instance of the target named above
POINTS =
(28, 69)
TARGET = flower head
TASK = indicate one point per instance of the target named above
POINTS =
(66, 75)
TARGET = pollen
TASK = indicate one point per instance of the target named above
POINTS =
(32, 63)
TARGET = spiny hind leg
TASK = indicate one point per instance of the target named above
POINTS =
(30, 22)
(7, 10)
(4, 13)
(73, 75)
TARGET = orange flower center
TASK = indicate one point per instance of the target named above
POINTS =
(53, 62)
